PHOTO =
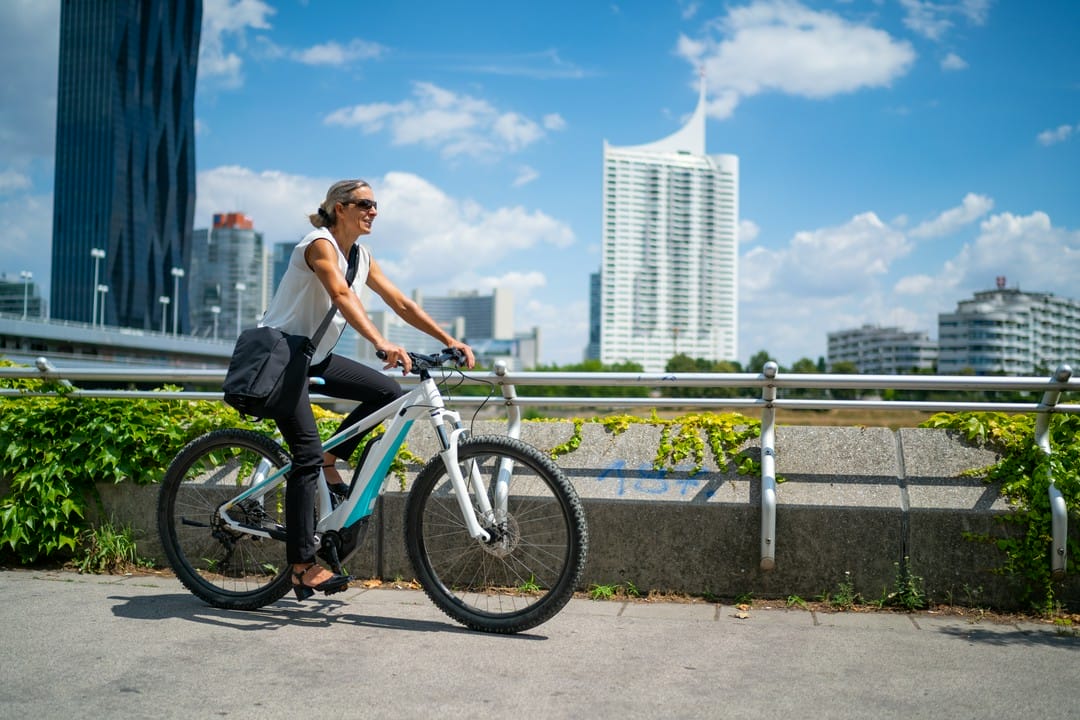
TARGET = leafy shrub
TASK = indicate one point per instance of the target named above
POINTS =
(1024, 473)
(55, 449)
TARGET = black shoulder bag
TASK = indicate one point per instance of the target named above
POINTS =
(269, 368)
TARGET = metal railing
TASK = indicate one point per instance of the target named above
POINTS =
(770, 382)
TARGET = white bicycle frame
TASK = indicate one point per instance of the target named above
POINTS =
(424, 400)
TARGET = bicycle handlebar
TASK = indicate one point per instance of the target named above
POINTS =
(422, 362)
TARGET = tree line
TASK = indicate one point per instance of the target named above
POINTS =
(683, 364)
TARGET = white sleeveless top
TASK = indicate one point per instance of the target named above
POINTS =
(301, 302)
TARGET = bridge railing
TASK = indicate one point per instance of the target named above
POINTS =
(1045, 401)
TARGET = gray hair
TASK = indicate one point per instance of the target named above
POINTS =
(339, 192)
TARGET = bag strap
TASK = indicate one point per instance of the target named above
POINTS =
(350, 275)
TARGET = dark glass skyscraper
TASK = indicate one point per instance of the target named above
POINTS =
(124, 196)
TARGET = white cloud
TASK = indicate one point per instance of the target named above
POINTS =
(521, 284)
(914, 285)
(782, 46)
(278, 203)
(1059, 134)
(688, 8)
(748, 232)
(422, 238)
(787, 312)
(525, 176)
(334, 53)
(849, 257)
(564, 328)
(952, 61)
(435, 236)
(226, 22)
(11, 181)
(542, 65)
(925, 19)
(825, 279)
(971, 209)
(455, 123)
(933, 18)
(1027, 249)
(554, 121)
(29, 46)
(26, 236)
(516, 131)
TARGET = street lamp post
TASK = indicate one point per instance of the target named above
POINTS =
(216, 310)
(240, 288)
(98, 254)
(26, 276)
(164, 300)
(102, 289)
(177, 273)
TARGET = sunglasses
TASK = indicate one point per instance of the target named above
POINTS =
(364, 204)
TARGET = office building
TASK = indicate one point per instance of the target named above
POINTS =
(19, 296)
(485, 322)
(483, 316)
(669, 272)
(592, 350)
(882, 350)
(124, 193)
(279, 263)
(1009, 332)
(229, 281)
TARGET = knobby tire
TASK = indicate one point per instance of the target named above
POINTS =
(531, 568)
(227, 569)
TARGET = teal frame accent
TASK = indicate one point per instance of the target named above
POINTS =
(366, 504)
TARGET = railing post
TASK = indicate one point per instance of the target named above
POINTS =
(513, 410)
(768, 471)
(46, 367)
(1058, 513)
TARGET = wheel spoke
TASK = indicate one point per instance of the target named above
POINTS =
(531, 565)
(222, 566)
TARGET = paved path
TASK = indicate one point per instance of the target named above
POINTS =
(78, 646)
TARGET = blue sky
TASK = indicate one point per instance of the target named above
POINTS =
(895, 155)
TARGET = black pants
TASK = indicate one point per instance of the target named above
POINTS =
(345, 379)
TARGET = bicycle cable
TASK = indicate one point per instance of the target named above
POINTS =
(445, 390)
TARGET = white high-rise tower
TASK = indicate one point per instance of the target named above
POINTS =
(669, 272)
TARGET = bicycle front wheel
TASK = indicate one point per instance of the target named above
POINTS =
(529, 568)
(226, 568)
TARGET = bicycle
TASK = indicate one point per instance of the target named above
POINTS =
(494, 531)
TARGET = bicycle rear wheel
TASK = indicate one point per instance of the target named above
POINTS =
(227, 569)
(528, 570)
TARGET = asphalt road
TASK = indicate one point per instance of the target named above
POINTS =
(142, 647)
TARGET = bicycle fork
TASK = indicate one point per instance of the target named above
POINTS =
(449, 457)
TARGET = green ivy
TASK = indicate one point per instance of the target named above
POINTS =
(572, 444)
(55, 449)
(681, 439)
(1024, 474)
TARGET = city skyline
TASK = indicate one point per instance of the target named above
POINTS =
(895, 157)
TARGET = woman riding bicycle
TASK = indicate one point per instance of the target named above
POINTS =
(313, 281)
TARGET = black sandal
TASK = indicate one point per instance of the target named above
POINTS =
(336, 583)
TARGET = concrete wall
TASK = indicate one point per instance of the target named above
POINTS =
(853, 500)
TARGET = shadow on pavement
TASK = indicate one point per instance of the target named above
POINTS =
(314, 613)
(1066, 638)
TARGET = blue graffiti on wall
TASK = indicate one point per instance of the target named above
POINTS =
(651, 481)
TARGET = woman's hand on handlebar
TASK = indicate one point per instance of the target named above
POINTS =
(470, 360)
(393, 356)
